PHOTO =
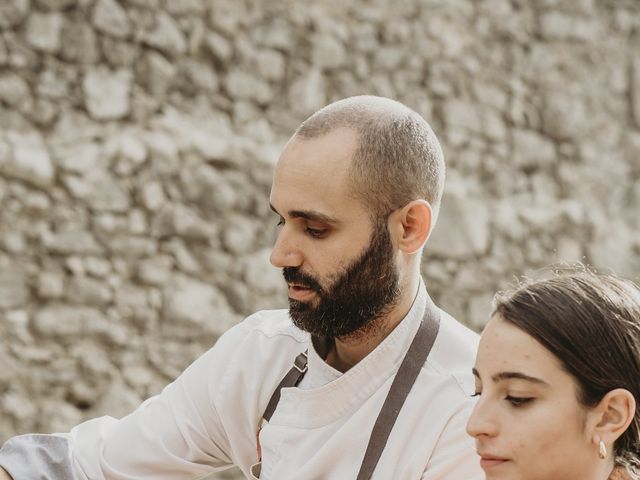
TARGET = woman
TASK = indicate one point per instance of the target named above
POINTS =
(558, 379)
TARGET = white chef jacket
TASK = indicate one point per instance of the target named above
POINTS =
(207, 419)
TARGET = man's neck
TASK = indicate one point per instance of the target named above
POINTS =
(349, 350)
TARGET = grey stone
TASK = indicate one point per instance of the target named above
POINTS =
(613, 248)
(183, 7)
(29, 160)
(42, 112)
(138, 224)
(166, 36)
(238, 236)
(158, 73)
(192, 302)
(78, 157)
(260, 276)
(68, 242)
(14, 91)
(532, 149)
(79, 43)
(458, 113)
(156, 270)
(564, 115)
(107, 93)
(54, 5)
(13, 242)
(13, 12)
(184, 259)
(219, 46)
(179, 220)
(110, 18)
(97, 267)
(327, 51)
(130, 246)
(66, 321)
(243, 85)
(14, 289)
(88, 291)
(18, 406)
(120, 54)
(132, 300)
(271, 64)
(199, 76)
(210, 137)
(4, 53)
(44, 31)
(307, 93)
(100, 191)
(560, 26)
(635, 90)
(463, 229)
(152, 196)
(479, 311)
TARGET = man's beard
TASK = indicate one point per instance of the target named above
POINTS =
(363, 292)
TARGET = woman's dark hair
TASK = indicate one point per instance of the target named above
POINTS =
(591, 323)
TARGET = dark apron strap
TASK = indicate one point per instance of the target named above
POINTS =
(291, 379)
(407, 374)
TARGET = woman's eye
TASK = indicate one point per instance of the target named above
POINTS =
(518, 401)
(476, 394)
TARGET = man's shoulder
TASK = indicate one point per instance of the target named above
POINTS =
(454, 351)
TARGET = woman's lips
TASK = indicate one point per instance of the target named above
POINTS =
(488, 461)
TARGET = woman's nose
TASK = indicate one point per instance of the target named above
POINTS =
(482, 421)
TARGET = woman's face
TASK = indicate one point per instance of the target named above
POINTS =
(528, 424)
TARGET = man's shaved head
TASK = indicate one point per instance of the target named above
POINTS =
(398, 158)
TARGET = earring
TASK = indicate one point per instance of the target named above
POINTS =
(602, 450)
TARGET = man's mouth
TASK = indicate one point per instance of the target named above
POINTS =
(300, 292)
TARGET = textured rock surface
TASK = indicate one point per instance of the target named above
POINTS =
(137, 140)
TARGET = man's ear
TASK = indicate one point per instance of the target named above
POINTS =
(612, 416)
(412, 225)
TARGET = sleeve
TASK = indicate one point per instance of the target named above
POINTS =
(175, 435)
(48, 455)
(454, 455)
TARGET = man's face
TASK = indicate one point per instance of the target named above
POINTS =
(339, 266)
(363, 291)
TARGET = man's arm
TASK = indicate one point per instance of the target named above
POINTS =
(48, 455)
(455, 456)
(175, 434)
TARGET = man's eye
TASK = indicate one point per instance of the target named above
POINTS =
(315, 232)
(518, 401)
(280, 222)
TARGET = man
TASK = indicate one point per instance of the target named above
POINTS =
(357, 191)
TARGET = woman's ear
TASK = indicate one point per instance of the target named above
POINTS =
(612, 416)
(412, 225)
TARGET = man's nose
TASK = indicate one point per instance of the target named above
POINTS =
(285, 252)
(482, 421)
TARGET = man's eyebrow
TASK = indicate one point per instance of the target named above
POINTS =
(309, 215)
(512, 375)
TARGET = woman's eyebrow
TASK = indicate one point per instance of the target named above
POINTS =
(498, 377)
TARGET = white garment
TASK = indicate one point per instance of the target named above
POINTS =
(207, 419)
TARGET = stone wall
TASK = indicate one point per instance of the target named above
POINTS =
(137, 139)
